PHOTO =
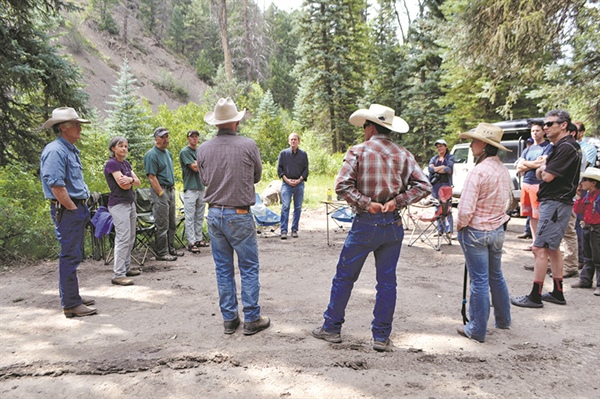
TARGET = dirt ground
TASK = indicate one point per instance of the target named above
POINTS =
(163, 337)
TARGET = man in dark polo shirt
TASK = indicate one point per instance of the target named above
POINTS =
(229, 166)
(159, 169)
(560, 177)
(292, 168)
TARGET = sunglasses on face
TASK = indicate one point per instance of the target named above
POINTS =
(548, 124)
(587, 179)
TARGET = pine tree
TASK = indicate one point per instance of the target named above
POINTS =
(129, 119)
(333, 53)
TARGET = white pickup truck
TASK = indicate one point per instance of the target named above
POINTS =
(515, 135)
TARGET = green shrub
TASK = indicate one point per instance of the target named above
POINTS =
(26, 231)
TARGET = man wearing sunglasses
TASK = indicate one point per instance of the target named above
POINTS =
(560, 177)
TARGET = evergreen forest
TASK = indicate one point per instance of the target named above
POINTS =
(443, 65)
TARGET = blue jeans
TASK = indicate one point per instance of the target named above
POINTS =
(70, 234)
(381, 234)
(483, 254)
(230, 231)
(287, 192)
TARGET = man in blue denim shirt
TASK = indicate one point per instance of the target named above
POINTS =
(62, 180)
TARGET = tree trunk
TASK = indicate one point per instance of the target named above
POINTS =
(221, 8)
(247, 42)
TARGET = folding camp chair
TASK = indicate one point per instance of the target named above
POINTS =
(342, 215)
(263, 216)
(145, 228)
(426, 219)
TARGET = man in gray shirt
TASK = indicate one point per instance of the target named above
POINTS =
(230, 165)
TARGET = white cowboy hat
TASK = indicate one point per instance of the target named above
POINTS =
(380, 115)
(591, 173)
(61, 115)
(487, 133)
(225, 112)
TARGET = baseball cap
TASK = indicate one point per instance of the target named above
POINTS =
(193, 132)
(160, 131)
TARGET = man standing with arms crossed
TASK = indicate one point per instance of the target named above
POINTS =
(62, 180)
(230, 165)
(560, 177)
(530, 160)
(378, 178)
(159, 169)
(292, 168)
(193, 194)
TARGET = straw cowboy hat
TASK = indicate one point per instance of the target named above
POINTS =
(225, 112)
(61, 115)
(380, 115)
(487, 133)
(591, 173)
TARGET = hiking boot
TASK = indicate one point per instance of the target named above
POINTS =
(579, 284)
(169, 258)
(255, 326)
(231, 325)
(524, 236)
(525, 302)
(383, 346)
(548, 297)
(175, 252)
(79, 311)
(284, 236)
(320, 333)
(597, 291)
(122, 281)
(294, 234)
(133, 272)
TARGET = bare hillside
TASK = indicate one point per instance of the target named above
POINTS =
(149, 60)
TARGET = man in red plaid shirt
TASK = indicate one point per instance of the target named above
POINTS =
(378, 178)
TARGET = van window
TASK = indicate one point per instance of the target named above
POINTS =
(461, 155)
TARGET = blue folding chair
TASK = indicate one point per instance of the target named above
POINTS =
(344, 214)
(263, 216)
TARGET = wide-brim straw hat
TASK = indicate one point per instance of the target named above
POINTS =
(381, 115)
(61, 115)
(225, 112)
(591, 173)
(488, 133)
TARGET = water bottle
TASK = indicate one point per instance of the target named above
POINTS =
(329, 197)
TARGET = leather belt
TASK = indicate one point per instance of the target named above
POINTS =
(76, 201)
(166, 187)
(245, 208)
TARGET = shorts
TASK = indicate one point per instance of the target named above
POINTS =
(554, 218)
(530, 206)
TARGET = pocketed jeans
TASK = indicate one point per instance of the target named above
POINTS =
(231, 231)
(70, 234)
(483, 255)
(382, 234)
(287, 193)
